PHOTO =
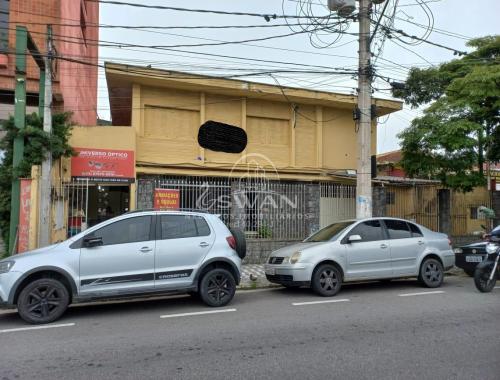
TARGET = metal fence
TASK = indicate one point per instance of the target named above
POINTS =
(264, 209)
(337, 202)
(70, 207)
(416, 203)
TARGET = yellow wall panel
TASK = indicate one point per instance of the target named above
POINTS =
(266, 108)
(171, 124)
(166, 152)
(270, 138)
(226, 110)
(339, 139)
(172, 98)
(305, 137)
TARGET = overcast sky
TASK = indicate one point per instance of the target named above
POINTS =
(466, 18)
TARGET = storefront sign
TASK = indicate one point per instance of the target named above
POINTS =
(103, 165)
(167, 199)
(23, 234)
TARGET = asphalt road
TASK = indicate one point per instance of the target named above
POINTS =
(372, 331)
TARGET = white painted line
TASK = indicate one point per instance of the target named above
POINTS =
(319, 302)
(37, 328)
(197, 313)
(421, 293)
(497, 287)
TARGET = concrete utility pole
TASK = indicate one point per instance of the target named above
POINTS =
(363, 178)
(45, 182)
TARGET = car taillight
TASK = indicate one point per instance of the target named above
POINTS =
(231, 241)
(449, 242)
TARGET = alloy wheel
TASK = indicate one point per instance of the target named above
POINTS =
(219, 287)
(328, 280)
(433, 273)
(44, 301)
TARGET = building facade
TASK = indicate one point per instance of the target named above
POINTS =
(75, 31)
(281, 186)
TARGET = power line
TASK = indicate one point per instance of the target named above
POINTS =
(266, 16)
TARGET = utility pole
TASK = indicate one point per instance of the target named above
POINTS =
(363, 177)
(45, 221)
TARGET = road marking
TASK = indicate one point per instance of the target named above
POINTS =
(197, 313)
(37, 328)
(319, 302)
(421, 293)
(497, 287)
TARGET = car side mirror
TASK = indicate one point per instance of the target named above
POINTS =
(90, 242)
(354, 238)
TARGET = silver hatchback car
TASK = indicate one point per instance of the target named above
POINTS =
(136, 254)
(358, 250)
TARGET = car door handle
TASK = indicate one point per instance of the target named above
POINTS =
(383, 246)
(146, 249)
(420, 242)
(204, 244)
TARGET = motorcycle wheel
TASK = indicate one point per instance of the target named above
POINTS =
(482, 279)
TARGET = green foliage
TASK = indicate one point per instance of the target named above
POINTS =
(462, 122)
(37, 144)
(264, 232)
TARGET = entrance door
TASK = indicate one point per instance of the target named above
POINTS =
(124, 262)
(370, 257)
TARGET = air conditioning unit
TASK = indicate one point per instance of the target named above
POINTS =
(342, 7)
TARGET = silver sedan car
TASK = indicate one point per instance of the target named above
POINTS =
(359, 250)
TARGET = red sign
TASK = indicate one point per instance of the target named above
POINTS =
(167, 199)
(23, 232)
(103, 165)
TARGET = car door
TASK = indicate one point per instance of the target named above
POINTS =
(182, 243)
(370, 257)
(406, 243)
(124, 260)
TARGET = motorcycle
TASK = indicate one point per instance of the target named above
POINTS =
(487, 272)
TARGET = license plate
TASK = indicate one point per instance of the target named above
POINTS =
(271, 271)
(474, 259)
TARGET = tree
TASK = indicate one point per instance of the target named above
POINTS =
(37, 144)
(460, 127)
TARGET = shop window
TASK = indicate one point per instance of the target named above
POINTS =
(4, 25)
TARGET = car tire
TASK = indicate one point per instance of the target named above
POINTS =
(326, 280)
(241, 242)
(43, 301)
(431, 273)
(217, 287)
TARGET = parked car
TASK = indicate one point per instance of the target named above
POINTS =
(357, 250)
(136, 254)
(469, 256)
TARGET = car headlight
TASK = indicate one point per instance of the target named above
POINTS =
(6, 266)
(491, 248)
(295, 257)
(458, 250)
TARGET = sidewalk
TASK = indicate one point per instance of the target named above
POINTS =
(253, 276)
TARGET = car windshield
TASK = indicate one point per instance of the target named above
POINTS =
(329, 233)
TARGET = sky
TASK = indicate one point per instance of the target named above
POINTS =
(454, 22)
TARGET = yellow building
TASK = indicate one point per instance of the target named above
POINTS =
(297, 140)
